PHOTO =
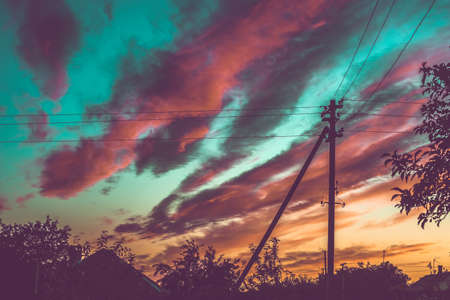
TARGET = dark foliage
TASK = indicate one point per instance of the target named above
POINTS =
(116, 245)
(42, 248)
(269, 271)
(43, 251)
(191, 277)
(194, 277)
(271, 279)
(383, 281)
(429, 169)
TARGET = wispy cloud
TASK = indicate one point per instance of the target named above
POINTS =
(359, 253)
(195, 76)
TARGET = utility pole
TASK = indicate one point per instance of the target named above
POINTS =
(329, 114)
(325, 262)
(282, 207)
(384, 254)
(434, 264)
(331, 187)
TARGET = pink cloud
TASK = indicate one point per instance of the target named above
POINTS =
(4, 204)
(38, 126)
(48, 35)
(106, 221)
(71, 170)
(197, 76)
(22, 199)
(197, 133)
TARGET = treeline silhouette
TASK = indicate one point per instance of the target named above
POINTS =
(193, 276)
(41, 260)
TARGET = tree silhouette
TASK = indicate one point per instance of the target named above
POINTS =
(44, 247)
(44, 252)
(429, 169)
(108, 242)
(194, 277)
(269, 271)
(272, 280)
(367, 281)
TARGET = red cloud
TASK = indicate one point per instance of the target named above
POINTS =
(197, 76)
(71, 170)
(48, 35)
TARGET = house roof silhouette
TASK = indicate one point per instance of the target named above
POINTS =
(104, 275)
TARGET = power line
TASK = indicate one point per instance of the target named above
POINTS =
(371, 47)
(156, 139)
(190, 117)
(151, 119)
(188, 138)
(357, 47)
(403, 50)
(156, 112)
(188, 111)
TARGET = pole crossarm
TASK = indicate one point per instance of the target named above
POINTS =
(282, 208)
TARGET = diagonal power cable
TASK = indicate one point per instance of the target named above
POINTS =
(357, 47)
(386, 75)
(371, 48)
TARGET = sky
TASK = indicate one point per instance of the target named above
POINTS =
(169, 120)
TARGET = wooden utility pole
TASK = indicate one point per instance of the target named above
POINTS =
(330, 115)
(331, 188)
(282, 207)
